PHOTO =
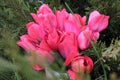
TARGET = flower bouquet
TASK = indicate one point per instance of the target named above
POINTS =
(65, 33)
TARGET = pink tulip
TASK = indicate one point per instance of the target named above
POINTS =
(61, 17)
(52, 38)
(36, 48)
(79, 66)
(68, 45)
(35, 31)
(72, 75)
(80, 20)
(72, 25)
(39, 58)
(45, 17)
(63, 32)
(97, 22)
(44, 9)
(85, 38)
(25, 43)
(43, 45)
(49, 36)
(70, 22)
(82, 64)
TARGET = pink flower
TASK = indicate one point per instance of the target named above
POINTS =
(80, 20)
(70, 22)
(39, 58)
(26, 43)
(45, 17)
(79, 66)
(82, 64)
(42, 36)
(39, 33)
(63, 32)
(85, 33)
(36, 48)
(61, 17)
(72, 75)
(68, 45)
(97, 22)
(52, 38)
(35, 31)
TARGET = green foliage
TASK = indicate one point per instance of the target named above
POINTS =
(109, 56)
(13, 17)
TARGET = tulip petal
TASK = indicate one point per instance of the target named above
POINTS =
(61, 17)
(44, 9)
(52, 39)
(25, 43)
(35, 31)
(84, 40)
(72, 25)
(97, 22)
(68, 44)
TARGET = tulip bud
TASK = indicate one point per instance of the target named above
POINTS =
(82, 64)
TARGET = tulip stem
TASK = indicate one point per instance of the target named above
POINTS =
(98, 60)
(105, 76)
(68, 7)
